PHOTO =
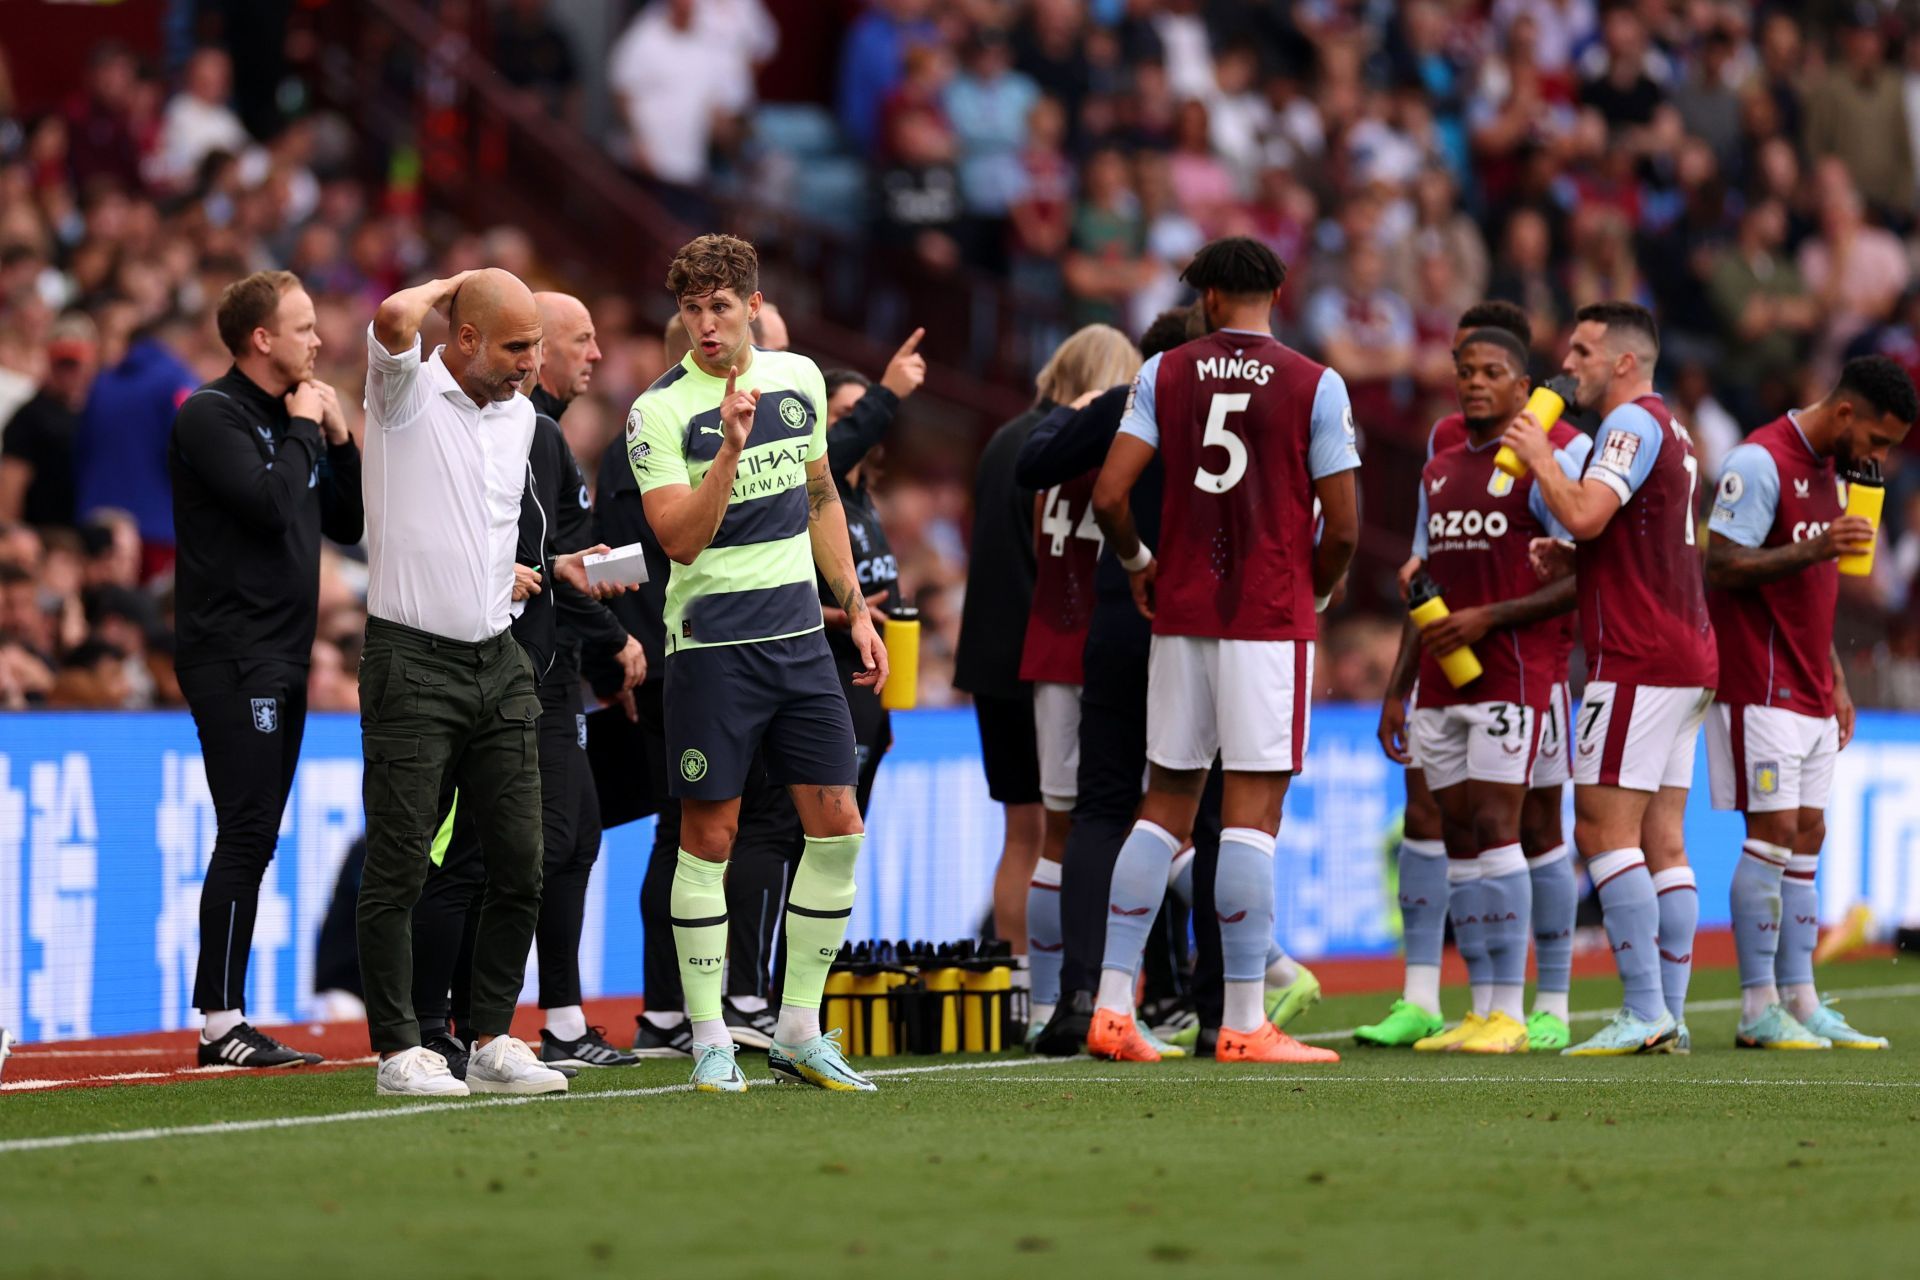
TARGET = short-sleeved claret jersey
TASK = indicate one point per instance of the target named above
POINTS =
(1776, 639)
(1066, 555)
(1475, 524)
(755, 580)
(1244, 425)
(1643, 605)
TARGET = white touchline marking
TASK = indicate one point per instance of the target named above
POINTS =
(63, 1141)
(298, 1122)
(214, 1069)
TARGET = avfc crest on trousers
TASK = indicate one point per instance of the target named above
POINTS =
(266, 715)
(1766, 778)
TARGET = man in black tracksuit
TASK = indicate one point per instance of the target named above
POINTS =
(555, 625)
(1113, 740)
(262, 467)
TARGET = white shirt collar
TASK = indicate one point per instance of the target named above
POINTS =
(443, 382)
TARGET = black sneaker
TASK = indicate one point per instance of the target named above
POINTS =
(452, 1050)
(651, 1041)
(1066, 1031)
(590, 1050)
(245, 1047)
(749, 1030)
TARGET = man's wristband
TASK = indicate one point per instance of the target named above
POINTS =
(1140, 559)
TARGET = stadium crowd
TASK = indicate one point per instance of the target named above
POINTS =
(1747, 170)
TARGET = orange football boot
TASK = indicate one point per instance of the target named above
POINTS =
(1114, 1036)
(1268, 1044)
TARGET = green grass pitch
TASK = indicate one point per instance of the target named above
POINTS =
(1389, 1164)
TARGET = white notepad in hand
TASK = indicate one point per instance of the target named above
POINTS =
(626, 566)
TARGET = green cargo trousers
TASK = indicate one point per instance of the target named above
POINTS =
(436, 714)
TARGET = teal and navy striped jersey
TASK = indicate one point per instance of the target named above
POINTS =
(755, 580)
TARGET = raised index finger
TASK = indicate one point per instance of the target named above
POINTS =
(906, 348)
(733, 372)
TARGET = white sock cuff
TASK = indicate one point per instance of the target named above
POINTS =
(1462, 870)
(1603, 867)
(1507, 860)
(1158, 832)
(1547, 859)
(1425, 848)
(1181, 861)
(1250, 836)
(1046, 873)
(1765, 850)
(1674, 878)
(1803, 865)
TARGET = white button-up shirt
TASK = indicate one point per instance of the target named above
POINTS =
(442, 478)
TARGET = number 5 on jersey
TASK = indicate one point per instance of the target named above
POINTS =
(1219, 409)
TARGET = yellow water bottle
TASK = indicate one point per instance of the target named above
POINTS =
(942, 980)
(1866, 495)
(1547, 403)
(901, 632)
(1426, 607)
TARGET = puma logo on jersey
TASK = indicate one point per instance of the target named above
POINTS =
(711, 431)
(1254, 371)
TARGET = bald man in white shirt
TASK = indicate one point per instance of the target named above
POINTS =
(447, 696)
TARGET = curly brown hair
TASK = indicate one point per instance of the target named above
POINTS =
(709, 263)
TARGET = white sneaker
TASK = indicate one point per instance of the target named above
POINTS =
(506, 1065)
(417, 1073)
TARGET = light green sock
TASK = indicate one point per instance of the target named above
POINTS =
(699, 910)
(817, 909)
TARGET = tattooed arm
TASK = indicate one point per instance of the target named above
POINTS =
(833, 557)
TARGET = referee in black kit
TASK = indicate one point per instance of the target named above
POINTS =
(262, 466)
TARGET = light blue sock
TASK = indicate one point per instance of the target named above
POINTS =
(1556, 897)
(1466, 907)
(1243, 900)
(1044, 947)
(1755, 901)
(1632, 916)
(1679, 900)
(1423, 900)
(1507, 919)
(1139, 883)
(1799, 924)
(1180, 877)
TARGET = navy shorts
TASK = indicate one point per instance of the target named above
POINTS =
(780, 697)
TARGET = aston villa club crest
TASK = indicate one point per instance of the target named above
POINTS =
(266, 715)
(1500, 484)
(1766, 778)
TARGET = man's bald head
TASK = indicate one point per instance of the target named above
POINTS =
(495, 342)
(568, 348)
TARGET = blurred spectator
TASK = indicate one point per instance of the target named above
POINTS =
(1041, 215)
(1106, 259)
(1855, 270)
(1708, 99)
(1560, 28)
(93, 677)
(1440, 228)
(1715, 432)
(1525, 276)
(683, 82)
(120, 443)
(1766, 316)
(1204, 185)
(917, 203)
(101, 120)
(1856, 110)
(330, 685)
(1172, 240)
(989, 105)
(533, 53)
(198, 121)
(1624, 76)
(1365, 330)
(36, 450)
(871, 62)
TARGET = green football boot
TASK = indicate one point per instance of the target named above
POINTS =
(715, 1071)
(1547, 1032)
(1284, 1004)
(1625, 1034)
(1826, 1021)
(820, 1063)
(1775, 1028)
(1405, 1023)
